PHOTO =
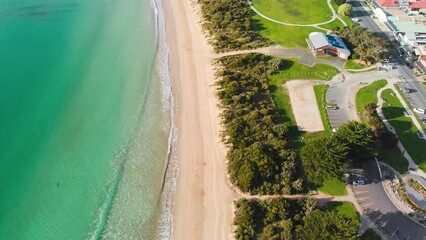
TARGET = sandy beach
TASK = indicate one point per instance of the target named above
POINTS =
(203, 206)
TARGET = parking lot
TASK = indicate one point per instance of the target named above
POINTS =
(340, 115)
(382, 212)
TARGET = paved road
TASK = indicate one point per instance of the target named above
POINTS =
(417, 97)
(382, 211)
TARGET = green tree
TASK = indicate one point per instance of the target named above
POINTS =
(328, 225)
(359, 138)
(339, 2)
(324, 158)
(344, 9)
(281, 230)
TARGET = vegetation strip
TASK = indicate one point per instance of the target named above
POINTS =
(405, 128)
(320, 91)
(368, 94)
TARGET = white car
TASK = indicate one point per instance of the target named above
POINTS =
(358, 182)
(420, 110)
(355, 19)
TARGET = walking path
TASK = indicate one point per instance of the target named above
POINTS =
(316, 25)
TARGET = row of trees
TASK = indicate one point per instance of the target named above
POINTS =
(283, 219)
(258, 158)
(370, 51)
(230, 25)
(328, 157)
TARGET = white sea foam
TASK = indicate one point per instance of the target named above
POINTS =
(165, 227)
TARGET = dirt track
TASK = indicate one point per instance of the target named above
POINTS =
(304, 105)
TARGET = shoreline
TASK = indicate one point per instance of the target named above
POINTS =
(203, 200)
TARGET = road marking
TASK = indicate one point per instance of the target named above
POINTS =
(378, 217)
(361, 192)
(364, 198)
(368, 204)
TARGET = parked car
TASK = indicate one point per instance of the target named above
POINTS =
(407, 90)
(424, 120)
(355, 19)
(331, 107)
(420, 110)
(388, 66)
(358, 182)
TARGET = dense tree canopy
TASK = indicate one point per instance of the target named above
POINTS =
(258, 158)
(359, 138)
(327, 225)
(230, 25)
(283, 219)
(324, 158)
(372, 50)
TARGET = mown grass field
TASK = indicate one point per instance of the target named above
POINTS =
(368, 94)
(345, 208)
(293, 11)
(352, 64)
(320, 91)
(334, 187)
(287, 36)
(405, 128)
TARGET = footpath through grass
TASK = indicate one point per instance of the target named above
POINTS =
(294, 11)
(291, 70)
(320, 91)
(368, 94)
(405, 128)
(334, 186)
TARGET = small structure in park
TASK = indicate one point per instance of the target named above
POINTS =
(322, 44)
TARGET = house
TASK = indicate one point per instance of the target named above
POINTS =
(417, 7)
(322, 44)
(420, 64)
(388, 3)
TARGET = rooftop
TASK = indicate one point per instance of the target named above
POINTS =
(387, 3)
(418, 4)
(407, 26)
(319, 40)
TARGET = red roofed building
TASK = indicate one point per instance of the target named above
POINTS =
(418, 6)
(388, 3)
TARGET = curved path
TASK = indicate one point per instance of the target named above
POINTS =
(317, 25)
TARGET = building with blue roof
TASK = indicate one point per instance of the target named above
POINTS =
(322, 44)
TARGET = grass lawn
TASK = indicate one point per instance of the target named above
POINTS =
(405, 128)
(287, 36)
(352, 64)
(293, 11)
(333, 187)
(368, 94)
(409, 105)
(320, 91)
(334, 24)
(370, 235)
(394, 158)
(293, 70)
(345, 208)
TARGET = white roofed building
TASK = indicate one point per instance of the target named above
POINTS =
(322, 44)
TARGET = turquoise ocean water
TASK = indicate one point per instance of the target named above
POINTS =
(83, 128)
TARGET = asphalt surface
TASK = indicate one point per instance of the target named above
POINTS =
(381, 210)
(417, 94)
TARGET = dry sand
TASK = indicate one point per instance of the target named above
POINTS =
(304, 105)
(204, 200)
